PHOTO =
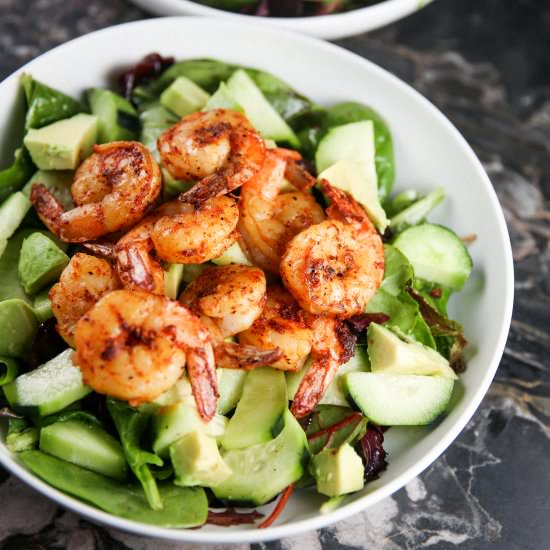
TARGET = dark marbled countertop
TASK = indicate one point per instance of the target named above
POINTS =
(486, 65)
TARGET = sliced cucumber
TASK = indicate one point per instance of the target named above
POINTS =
(414, 213)
(222, 99)
(86, 445)
(259, 111)
(436, 254)
(262, 471)
(47, 389)
(335, 394)
(117, 118)
(399, 399)
(230, 384)
(259, 413)
(12, 212)
(397, 354)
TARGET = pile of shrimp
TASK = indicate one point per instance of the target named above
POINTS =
(310, 268)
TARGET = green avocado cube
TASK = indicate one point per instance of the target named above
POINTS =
(197, 461)
(41, 262)
(338, 471)
(184, 97)
(64, 144)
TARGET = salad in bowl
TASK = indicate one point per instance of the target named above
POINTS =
(214, 304)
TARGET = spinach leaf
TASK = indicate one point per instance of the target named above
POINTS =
(344, 113)
(46, 105)
(404, 313)
(183, 506)
(131, 425)
(14, 177)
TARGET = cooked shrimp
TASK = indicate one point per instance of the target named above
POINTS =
(113, 188)
(332, 345)
(228, 300)
(133, 345)
(268, 218)
(282, 325)
(336, 266)
(219, 148)
(83, 282)
(176, 232)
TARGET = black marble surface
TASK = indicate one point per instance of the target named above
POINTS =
(486, 65)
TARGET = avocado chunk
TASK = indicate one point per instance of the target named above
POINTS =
(86, 445)
(172, 422)
(42, 306)
(172, 280)
(17, 326)
(197, 461)
(353, 177)
(184, 97)
(12, 212)
(262, 471)
(259, 413)
(117, 119)
(399, 354)
(337, 471)
(58, 182)
(64, 144)
(41, 262)
(399, 399)
(258, 110)
(222, 99)
(233, 255)
(47, 389)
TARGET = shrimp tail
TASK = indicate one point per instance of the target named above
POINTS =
(137, 269)
(104, 249)
(298, 176)
(243, 356)
(49, 209)
(201, 370)
(343, 206)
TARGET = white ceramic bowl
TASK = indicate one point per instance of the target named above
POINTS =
(429, 151)
(330, 27)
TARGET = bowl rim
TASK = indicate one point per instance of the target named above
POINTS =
(331, 26)
(321, 520)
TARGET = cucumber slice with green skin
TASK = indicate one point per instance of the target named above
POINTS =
(230, 384)
(399, 399)
(262, 471)
(12, 212)
(47, 389)
(436, 254)
(258, 110)
(417, 211)
(335, 394)
(259, 413)
(173, 422)
(182, 506)
(117, 118)
(396, 354)
(85, 445)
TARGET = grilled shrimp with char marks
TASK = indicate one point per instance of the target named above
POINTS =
(133, 345)
(176, 232)
(219, 148)
(336, 266)
(113, 189)
(269, 218)
(228, 299)
(83, 282)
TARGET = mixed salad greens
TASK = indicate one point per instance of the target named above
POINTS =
(287, 8)
(159, 462)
